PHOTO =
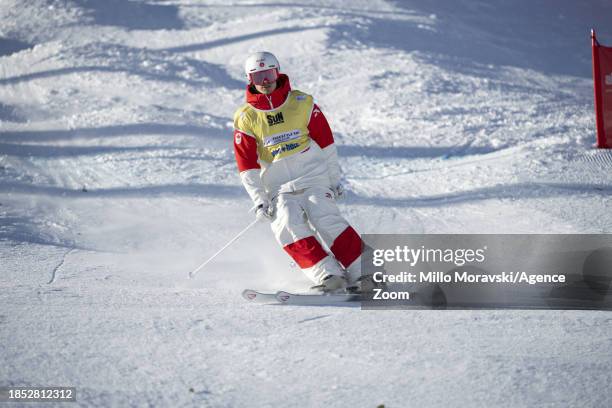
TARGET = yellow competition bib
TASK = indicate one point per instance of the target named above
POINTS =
(280, 132)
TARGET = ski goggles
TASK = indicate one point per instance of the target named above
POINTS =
(261, 77)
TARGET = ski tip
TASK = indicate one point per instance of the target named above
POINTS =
(249, 294)
(283, 297)
(255, 296)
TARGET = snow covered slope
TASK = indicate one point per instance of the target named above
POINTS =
(117, 178)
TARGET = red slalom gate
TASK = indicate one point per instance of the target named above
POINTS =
(602, 78)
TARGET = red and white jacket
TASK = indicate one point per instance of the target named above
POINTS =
(283, 143)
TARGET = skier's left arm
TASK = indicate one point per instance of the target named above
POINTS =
(321, 133)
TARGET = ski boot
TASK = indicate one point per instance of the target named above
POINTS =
(331, 283)
(364, 284)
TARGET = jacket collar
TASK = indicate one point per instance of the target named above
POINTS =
(272, 101)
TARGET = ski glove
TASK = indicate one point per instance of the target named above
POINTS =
(338, 192)
(265, 211)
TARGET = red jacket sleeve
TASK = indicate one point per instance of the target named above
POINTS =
(245, 150)
(319, 129)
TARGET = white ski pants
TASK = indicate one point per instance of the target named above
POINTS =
(306, 218)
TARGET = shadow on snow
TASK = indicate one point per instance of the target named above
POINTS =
(148, 64)
(407, 152)
(50, 151)
(506, 191)
(9, 46)
(132, 15)
(118, 131)
(245, 37)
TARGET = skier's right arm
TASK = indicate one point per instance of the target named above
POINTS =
(247, 159)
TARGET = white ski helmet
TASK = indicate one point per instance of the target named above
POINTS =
(260, 61)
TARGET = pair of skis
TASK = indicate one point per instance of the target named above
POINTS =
(287, 298)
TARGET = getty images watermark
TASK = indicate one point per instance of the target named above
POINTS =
(488, 271)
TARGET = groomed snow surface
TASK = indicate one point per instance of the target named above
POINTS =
(117, 178)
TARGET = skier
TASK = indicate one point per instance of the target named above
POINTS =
(288, 165)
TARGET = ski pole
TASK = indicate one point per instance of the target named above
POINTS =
(241, 233)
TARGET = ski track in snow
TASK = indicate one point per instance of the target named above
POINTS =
(59, 265)
(117, 174)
